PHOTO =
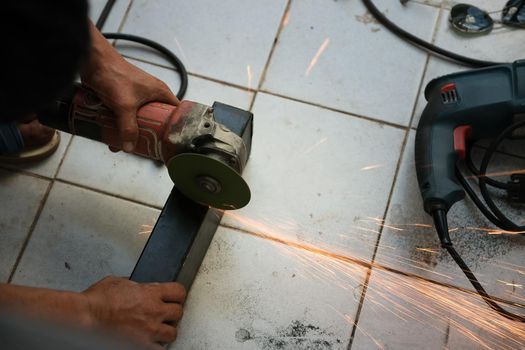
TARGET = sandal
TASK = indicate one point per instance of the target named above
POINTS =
(13, 150)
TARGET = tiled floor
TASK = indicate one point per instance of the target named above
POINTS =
(336, 99)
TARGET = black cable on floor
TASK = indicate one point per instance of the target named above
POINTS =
(170, 56)
(104, 14)
(174, 60)
(490, 211)
(509, 225)
(420, 43)
(479, 288)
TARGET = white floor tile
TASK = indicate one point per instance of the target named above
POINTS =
(364, 69)
(251, 293)
(21, 196)
(405, 313)
(228, 40)
(93, 165)
(115, 17)
(314, 173)
(83, 236)
(497, 260)
(47, 167)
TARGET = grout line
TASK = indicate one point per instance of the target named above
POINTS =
(222, 82)
(270, 55)
(359, 116)
(396, 174)
(197, 75)
(109, 194)
(68, 146)
(71, 183)
(421, 89)
(125, 17)
(30, 231)
(376, 248)
(351, 260)
(13, 169)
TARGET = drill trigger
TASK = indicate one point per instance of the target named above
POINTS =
(461, 135)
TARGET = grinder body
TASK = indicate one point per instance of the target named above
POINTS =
(465, 106)
(198, 151)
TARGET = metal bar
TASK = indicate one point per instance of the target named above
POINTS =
(184, 230)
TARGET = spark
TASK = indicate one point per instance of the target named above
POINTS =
(318, 54)
(498, 174)
(492, 231)
(397, 294)
(511, 284)
(429, 250)
(373, 166)
(249, 74)
(422, 225)
(390, 227)
(286, 18)
(146, 229)
(317, 144)
(179, 46)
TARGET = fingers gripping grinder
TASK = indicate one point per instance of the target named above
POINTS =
(465, 106)
(203, 157)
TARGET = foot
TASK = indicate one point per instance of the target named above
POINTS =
(35, 134)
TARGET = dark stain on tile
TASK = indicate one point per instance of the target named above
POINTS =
(297, 335)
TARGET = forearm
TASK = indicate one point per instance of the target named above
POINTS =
(102, 53)
(60, 306)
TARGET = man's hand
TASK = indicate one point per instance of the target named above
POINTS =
(147, 313)
(121, 86)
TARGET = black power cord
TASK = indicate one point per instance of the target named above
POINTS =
(172, 58)
(422, 44)
(479, 288)
(492, 212)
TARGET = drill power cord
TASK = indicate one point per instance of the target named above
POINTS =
(492, 212)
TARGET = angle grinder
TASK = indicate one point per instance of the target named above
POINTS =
(205, 159)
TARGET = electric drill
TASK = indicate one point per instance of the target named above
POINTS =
(204, 158)
(464, 106)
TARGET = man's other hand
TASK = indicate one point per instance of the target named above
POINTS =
(146, 313)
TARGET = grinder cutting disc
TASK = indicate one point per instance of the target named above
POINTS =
(208, 181)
